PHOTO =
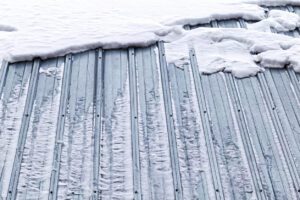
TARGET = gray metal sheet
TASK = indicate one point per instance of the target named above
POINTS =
(115, 124)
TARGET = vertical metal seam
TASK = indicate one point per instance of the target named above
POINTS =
(296, 90)
(290, 96)
(60, 128)
(206, 128)
(170, 123)
(214, 109)
(188, 81)
(280, 132)
(268, 95)
(12, 190)
(4, 69)
(134, 125)
(174, 79)
(98, 117)
(277, 124)
(239, 111)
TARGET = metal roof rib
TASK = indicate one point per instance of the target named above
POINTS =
(170, 122)
(98, 112)
(12, 190)
(105, 124)
(134, 126)
(15, 86)
(60, 127)
(3, 74)
(208, 131)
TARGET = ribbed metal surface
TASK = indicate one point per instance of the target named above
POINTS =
(123, 124)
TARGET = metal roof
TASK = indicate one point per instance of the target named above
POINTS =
(118, 124)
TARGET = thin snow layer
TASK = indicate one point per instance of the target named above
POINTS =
(54, 28)
(239, 51)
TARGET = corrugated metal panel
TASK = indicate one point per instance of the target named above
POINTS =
(115, 124)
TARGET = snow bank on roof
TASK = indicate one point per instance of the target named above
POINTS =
(55, 28)
(239, 51)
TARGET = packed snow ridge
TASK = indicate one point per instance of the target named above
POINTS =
(56, 28)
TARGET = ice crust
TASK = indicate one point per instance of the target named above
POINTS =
(56, 28)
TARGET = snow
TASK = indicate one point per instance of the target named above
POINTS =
(278, 20)
(54, 28)
(214, 12)
(239, 51)
(274, 2)
(57, 28)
